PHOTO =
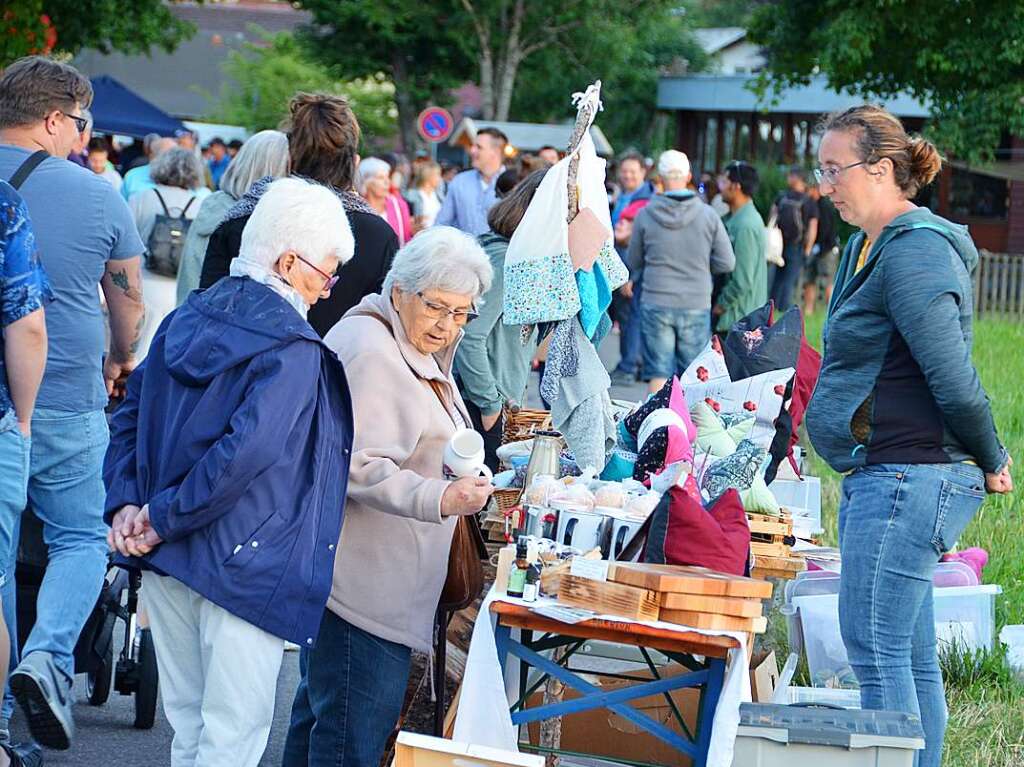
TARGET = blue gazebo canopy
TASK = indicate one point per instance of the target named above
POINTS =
(116, 109)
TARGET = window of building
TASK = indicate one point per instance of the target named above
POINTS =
(977, 195)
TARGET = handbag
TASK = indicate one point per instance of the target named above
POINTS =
(465, 579)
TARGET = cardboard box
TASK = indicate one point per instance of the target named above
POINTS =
(412, 750)
(602, 732)
(764, 676)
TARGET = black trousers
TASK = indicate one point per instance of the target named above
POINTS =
(492, 438)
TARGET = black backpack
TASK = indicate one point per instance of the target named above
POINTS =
(791, 218)
(167, 239)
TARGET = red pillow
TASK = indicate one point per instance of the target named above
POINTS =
(684, 533)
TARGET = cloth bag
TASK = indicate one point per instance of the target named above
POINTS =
(540, 282)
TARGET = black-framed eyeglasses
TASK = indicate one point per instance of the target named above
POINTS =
(438, 311)
(330, 280)
(80, 122)
(831, 175)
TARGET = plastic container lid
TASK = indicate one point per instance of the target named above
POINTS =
(845, 728)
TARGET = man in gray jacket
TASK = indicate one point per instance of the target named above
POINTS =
(678, 243)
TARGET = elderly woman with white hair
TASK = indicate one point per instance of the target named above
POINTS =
(264, 154)
(392, 559)
(374, 184)
(226, 476)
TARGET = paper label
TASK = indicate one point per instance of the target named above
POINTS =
(564, 614)
(594, 569)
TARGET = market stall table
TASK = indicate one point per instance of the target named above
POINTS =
(706, 672)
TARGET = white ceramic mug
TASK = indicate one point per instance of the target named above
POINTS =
(464, 455)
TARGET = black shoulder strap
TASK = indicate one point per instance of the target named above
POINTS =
(162, 203)
(187, 206)
(27, 167)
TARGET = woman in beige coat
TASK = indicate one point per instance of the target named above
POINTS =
(391, 563)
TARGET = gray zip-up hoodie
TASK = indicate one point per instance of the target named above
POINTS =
(678, 243)
(897, 385)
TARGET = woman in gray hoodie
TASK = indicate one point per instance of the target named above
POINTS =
(265, 154)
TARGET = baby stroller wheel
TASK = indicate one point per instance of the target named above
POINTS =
(99, 678)
(145, 695)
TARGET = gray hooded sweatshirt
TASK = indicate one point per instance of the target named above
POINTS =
(678, 243)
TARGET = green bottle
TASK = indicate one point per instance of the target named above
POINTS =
(517, 577)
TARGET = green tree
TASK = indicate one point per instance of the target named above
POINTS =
(631, 58)
(965, 58)
(419, 46)
(265, 75)
(67, 26)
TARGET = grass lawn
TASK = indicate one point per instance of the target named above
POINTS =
(986, 705)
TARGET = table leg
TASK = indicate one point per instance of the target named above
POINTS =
(708, 706)
(502, 637)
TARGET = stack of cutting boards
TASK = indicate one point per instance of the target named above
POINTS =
(688, 596)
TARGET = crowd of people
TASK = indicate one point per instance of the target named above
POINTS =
(293, 334)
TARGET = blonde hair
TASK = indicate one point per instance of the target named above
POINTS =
(880, 135)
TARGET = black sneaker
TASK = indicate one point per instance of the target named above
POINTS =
(29, 755)
(622, 378)
(45, 696)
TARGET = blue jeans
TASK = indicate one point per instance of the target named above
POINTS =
(66, 492)
(630, 336)
(15, 453)
(782, 282)
(349, 697)
(895, 520)
(672, 339)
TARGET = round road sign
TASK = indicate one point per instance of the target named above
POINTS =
(435, 124)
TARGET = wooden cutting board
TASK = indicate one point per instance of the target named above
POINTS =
(715, 622)
(698, 603)
(678, 579)
(607, 598)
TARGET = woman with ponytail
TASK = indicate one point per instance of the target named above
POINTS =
(899, 408)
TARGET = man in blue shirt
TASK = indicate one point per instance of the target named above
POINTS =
(87, 240)
(24, 290)
(471, 193)
(137, 179)
(219, 160)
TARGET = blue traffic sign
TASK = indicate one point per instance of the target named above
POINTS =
(435, 124)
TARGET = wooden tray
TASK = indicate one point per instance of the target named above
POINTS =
(688, 580)
(734, 606)
(715, 622)
(607, 598)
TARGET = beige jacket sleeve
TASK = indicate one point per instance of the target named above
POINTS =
(388, 427)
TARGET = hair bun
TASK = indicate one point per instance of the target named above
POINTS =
(925, 161)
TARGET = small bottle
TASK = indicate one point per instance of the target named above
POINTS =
(532, 589)
(517, 578)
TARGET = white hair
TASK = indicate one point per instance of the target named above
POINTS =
(371, 166)
(264, 154)
(300, 216)
(441, 258)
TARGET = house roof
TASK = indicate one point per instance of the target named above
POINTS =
(162, 77)
(714, 39)
(528, 136)
(730, 93)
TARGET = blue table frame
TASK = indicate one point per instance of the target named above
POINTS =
(707, 674)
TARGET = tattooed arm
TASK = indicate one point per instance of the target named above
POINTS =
(122, 287)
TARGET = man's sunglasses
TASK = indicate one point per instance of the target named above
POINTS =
(80, 122)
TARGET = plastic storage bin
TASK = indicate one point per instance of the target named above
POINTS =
(964, 615)
(803, 500)
(788, 736)
(823, 696)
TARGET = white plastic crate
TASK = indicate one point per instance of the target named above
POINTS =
(802, 498)
(823, 696)
(963, 614)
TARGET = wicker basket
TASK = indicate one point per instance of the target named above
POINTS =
(521, 424)
(507, 498)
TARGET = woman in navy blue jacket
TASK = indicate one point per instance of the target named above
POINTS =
(226, 476)
(899, 406)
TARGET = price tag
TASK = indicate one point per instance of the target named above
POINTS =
(594, 569)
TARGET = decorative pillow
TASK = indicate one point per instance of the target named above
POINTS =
(718, 434)
(759, 499)
(683, 533)
(737, 471)
(760, 395)
(663, 430)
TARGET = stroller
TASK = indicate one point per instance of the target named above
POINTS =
(135, 672)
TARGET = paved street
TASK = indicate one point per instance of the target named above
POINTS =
(105, 735)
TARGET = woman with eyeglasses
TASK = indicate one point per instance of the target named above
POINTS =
(493, 360)
(899, 408)
(400, 514)
(226, 476)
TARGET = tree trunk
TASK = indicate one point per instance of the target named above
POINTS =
(506, 85)
(407, 112)
(487, 95)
